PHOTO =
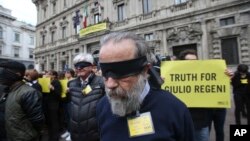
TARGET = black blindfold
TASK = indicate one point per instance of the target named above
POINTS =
(81, 65)
(124, 68)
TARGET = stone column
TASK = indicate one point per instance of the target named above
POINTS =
(47, 63)
(58, 62)
(70, 60)
(204, 41)
(84, 48)
(164, 42)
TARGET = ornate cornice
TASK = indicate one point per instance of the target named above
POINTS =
(183, 33)
(52, 27)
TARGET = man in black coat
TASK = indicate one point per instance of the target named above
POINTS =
(23, 108)
(84, 93)
(240, 83)
(3, 96)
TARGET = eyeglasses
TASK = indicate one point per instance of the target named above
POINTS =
(82, 68)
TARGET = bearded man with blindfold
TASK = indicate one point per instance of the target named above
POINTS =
(84, 92)
(23, 110)
(132, 109)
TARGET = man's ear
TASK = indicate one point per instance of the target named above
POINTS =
(92, 68)
(18, 73)
(15, 72)
(146, 68)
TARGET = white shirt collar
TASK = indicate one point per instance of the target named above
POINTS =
(144, 92)
(86, 80)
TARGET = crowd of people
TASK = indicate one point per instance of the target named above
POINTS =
(117, 101)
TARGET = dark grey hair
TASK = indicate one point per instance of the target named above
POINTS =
(142, 48)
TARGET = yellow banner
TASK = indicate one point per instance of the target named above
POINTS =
(198, 83)
(64, 83)
(44, 82)
(92, 29)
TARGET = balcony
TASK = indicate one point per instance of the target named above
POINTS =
(94, 28)
(181, 6)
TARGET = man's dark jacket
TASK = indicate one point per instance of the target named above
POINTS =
(23, 113)
(3, 96)
(83, 124)
(171, 120)
(238, 87)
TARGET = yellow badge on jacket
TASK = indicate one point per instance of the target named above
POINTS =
(243, 81)
(86, 90)
(140, 125)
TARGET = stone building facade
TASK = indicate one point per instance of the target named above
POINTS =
(17, 39)
(217, 29)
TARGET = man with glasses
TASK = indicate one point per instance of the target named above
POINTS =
(84, 92)
(132, 109)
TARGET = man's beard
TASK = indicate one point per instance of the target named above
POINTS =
(124, 102)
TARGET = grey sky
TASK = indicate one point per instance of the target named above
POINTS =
(23, 10)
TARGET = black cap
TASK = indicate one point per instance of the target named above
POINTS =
(13, 66)
(242, 68)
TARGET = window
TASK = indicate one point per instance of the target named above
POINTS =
(65, 3)
(148, 37)
(147, 6)
(31, 40)
(64, 65)
(229, 49)
(77, 50)
(77, 22)
(1, 49)
(1, 32)
(63, 32)
(31, 53)
(43, 40)
(17, 37)
(96, 4)
(30, 66)
(97, 18)
(54, 7)
(44, 13)
(180, 1)
(121, 12)
(42, 67)
(52, 66)
(16, 52)
(52, 36)
(227, 21)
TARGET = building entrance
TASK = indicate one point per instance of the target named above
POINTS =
(178, 49)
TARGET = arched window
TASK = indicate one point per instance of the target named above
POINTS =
(30, 66)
